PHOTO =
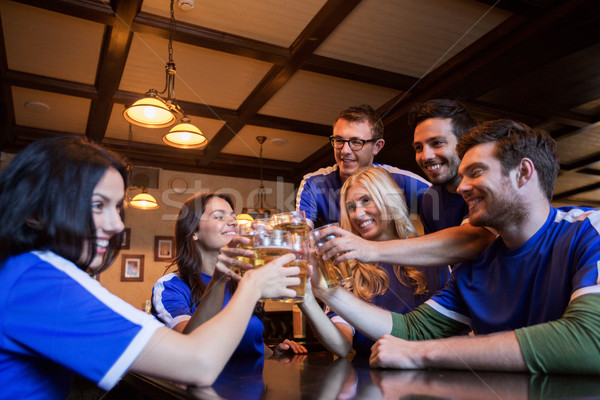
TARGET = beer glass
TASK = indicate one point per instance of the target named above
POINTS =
(340, 274)
(293, 222)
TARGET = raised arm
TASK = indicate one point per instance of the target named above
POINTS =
(199, 357)
(214, 295)
(448, 246)
(337, 338)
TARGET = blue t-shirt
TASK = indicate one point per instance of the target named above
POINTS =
(400, 298)
(319, 192)
(506, 289)
(55, 321)
(441, 209)
(172, 303)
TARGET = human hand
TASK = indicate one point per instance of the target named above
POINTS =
(393, 352)
(290, 345)
(228, 258)
(347, 246)
(316, 285)
(273, 278)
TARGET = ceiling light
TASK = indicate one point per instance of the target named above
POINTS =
(185, 136)
(144, 201)
(244, 217)
(154, 111)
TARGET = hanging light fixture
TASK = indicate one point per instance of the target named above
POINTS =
(262, 209)
(153, 111)
(143, 200)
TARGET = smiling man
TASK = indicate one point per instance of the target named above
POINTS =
(533, 296)
(450, 238)
(357, 138)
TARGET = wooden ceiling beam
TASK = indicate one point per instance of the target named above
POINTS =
(7, 116)
(115, 48)
(527, 8)
(211, 39)
(91, 10)
(48, 84)
(360, 73)
(516, 46)
(286, 124)
(319, 28)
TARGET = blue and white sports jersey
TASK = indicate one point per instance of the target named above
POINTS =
(172, 303)
(399, 298)
(441, 209)
(57, 320)
(506, 289)
(319, 192)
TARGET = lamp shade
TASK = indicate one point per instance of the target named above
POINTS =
(144, 201)
(244, 217)
(185, 136)
(149, 112)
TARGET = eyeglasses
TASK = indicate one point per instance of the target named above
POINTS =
(355, 144)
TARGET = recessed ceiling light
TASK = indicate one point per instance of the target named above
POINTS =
(186, 5)
(279, 141)
(36, 106)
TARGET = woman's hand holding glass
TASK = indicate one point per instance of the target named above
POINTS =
(274, 279)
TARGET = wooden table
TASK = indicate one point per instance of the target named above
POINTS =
(319, 376)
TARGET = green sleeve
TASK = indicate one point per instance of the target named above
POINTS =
(424, 323)
(570, 344)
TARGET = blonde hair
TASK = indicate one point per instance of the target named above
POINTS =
(369, 279)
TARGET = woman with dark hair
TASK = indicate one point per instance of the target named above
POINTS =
(199, 288)
(61, 220)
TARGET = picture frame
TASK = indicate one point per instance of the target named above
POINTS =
(164, 248)
(132, 268)
(126, 239)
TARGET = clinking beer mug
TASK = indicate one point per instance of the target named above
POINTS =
(340, 274)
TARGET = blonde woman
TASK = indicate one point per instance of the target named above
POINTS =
(373, 206)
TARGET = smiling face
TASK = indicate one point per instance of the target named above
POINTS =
(107, 202)
(217, 225)
(350, 161)
(492, 196)
(435, 152)
(365, 216)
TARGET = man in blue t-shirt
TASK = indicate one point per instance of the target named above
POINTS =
(450, 238)
(357, 138)
(532, 297)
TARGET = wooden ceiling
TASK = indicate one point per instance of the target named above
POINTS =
(284, 69)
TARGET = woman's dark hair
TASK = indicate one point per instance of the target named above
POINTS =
(46, 199)
(188, 259)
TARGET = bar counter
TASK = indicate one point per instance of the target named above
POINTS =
(318, 375)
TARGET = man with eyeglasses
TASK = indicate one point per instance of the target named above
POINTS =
(357, 138)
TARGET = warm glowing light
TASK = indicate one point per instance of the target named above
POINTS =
(144, 201)
(185, 136)
(149, 112)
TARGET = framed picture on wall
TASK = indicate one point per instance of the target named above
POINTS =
(132, 268)
(164, 248)
(126, 239)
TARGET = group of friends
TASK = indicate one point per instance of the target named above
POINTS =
(501, 280)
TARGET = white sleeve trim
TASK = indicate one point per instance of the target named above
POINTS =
(336, 319)
(449, 313)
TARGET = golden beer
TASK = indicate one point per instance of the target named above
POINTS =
(300, 288)
(295, 228)
(336, 274)
(266, 254)
(247, 260)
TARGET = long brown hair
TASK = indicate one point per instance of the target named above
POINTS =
(369, 279)
(188, 259)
